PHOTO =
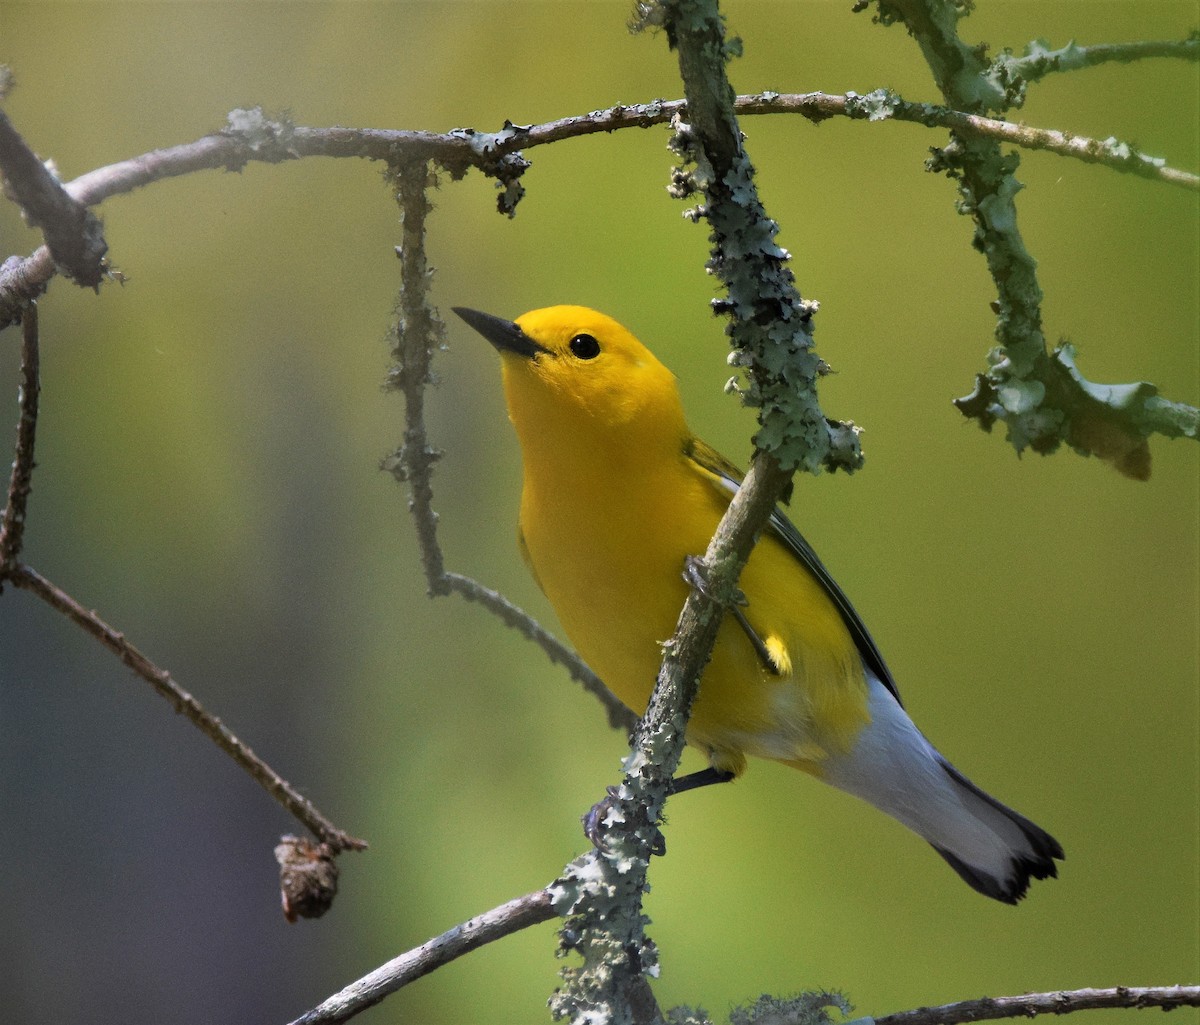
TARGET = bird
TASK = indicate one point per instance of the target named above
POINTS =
(619, 496)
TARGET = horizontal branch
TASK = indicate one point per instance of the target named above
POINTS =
(251, 137)
(884, 105)
(1062, 1002)
(299, 806)
(1013, 74)
(502, 921)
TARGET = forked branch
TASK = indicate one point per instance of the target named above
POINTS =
(419, 332)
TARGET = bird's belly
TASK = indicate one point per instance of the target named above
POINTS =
(619, 603)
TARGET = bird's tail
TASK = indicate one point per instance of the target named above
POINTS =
(893, 767)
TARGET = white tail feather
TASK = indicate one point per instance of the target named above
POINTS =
(893, 767)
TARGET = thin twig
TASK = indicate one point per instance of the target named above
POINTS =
(1062, 1002)
(12, 523)
(884, 105)
(517, 914)
(29, 579)
(419, 332)
(619, 717)
(11, 534)
(1038, 62)
(24, 279)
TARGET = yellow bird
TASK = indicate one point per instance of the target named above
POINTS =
(617, 494)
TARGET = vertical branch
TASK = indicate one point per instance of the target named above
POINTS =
(12, 523)
(601, 893)
(770, 325)
(419, 332)
(1038, 394)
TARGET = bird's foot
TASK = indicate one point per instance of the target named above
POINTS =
(595, 823)
(695, 572)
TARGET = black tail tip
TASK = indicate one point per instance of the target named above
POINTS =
(1022, 868)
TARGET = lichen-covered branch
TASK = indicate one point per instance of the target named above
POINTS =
(770, 324)
(419, 333)
(1038, 394)
(601, 893)
(502, 921)
(770, 329)
(1028, 1005)
(1014, 74)
(250, 136)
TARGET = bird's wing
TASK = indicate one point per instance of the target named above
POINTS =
(727, 476)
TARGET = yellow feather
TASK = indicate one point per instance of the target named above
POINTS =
(618, 493)
(614, 500)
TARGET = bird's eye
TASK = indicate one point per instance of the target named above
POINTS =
(584, 346)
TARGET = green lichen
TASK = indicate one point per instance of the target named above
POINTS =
(1040, 396)
(810, 1008)
(770, 327)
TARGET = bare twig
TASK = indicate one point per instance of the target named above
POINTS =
(419, 332)
(619, 717)
(12, 523)
(72, 232)
(11, 531)
(514, 916)
(1062, 1002)
(273, 142)
(299, 806)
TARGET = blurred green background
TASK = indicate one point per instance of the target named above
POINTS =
(208, 481)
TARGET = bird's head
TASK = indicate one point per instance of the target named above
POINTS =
(572, 372)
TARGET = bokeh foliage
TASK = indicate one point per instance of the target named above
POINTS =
(208, 482)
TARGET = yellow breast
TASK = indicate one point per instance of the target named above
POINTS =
(610, 559)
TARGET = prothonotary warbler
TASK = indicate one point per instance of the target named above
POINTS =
(617, 494)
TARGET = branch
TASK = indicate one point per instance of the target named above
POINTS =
(502, 921)
(295, 803)
(1062, 1002)
(1013, 74)
(882, 104)
(619, 717)
(770, 330)
(251, 137)
(11, 534)
(71, 231)
(12, 523)
(1039, 395)
(419, 331)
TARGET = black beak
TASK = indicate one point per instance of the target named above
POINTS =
(503, 334)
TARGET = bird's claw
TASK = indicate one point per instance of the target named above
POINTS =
(594, 825)
(593, 818)
(695, 574)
